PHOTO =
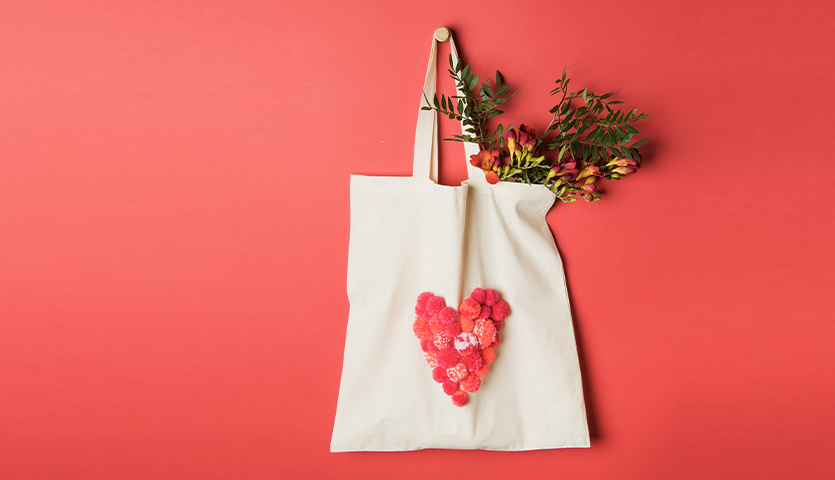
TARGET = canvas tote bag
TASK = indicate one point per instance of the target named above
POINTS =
(410, 235)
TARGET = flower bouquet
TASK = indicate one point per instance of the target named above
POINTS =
(592, 140)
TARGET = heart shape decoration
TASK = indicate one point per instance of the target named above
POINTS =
(460, 345)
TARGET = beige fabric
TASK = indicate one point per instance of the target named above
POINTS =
(410, 235)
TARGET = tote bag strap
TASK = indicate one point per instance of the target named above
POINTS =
(426, 136)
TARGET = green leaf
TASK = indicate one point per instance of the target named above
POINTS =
(458, 65)
(631, 129)
(451, 65)
(638, 143)
(498, 80)
(503, 89)
(473, 83)
(487, 90)
(436, 102)
(426, 108)
(615, 102)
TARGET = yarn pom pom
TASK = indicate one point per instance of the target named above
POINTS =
(471, 384)
(442, 341)
(486, 332)
(500, 310)
(469, 308)
(421, 329)
(450, 387)
(424, 345)
(495, 342)
(457, 373)
(434, 305)
(435, 324)
(499, 324)
(452, 329)
(473, 361)
(421, 301)
(459, 398)
(485, 312)
(439, 374)
(491, 297)
(467, 325)
(448, 358)
(465, 340)
(431, 359)
(483, 370)
(489, 355)
(478, 295)
(448, 315)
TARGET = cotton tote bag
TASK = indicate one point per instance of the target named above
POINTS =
(410, 235)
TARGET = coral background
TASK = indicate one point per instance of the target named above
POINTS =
(174, 230)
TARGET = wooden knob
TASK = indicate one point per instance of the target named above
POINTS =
(442, 34)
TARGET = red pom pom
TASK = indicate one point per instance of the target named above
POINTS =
(499, 324)
(491, 297)
(434, 305)
(467, 325)
(469, 308)
(457, 373)
(421, 329)
(473, 361)
(435, 324)
(439, 374)
(478, 295)
(442, 341)
(459, 398)
(471, 384)
(485, 312)
(489, 355)
(452, 329)
(422, 298)
(486, 332)
(500, 310)
(448, 358)
(448, 315)
(450, 387)
(495, 342)
(424, 345)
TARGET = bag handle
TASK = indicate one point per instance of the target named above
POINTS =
(426, 135)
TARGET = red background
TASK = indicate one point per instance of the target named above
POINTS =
(174, 230)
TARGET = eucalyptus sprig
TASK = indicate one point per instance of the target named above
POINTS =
(593, 140)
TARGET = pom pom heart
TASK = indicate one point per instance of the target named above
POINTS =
(459, 398)
(469, 308)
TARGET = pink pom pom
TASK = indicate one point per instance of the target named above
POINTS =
(457, 373)
(424, 345)
(491, 297)
(442, 341)
(422, 298)
(452, 329)
(421, 329)
(459, 398)
(486, 332)
(471, 384)
(450, 387)
(500, 310)
(439, 374)
(473, 361)
(469, 308)
(448, 315)
(499, 324)
(478, 295)
(431, 359)
(434, 305)
(495, 342)
(448, 358)
(485, 312)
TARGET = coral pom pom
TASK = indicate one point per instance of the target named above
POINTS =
(448, 358)
(421, 301)
(469, 308)
(467, 325)
(442, 341)
(473, 361)
(439, 374)
(478, 295)
(486, 332)
(483, 370)
(431, 359)
(459, 398)
(457, 373)
(421, 329)
(471, 384)
(499, 324)
(452, 329)
(434, 305)
(491, 297)
(489, 355)
(450, 387)
(485, 312)
(500, 310)
(448, 315)
(435, 324)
